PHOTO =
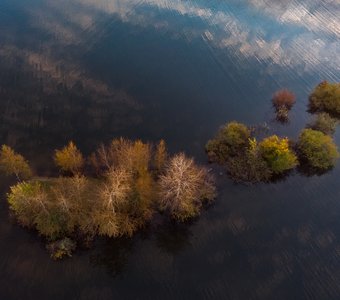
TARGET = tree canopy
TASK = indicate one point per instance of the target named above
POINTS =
(12, 163)
(69, 159)
(277, 154)
(326, 97)
(184, 186)
(317, 149)
(229, 141)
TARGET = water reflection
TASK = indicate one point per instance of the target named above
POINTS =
(286, 33)
(173, 238)
(113, 255)
(90, 70)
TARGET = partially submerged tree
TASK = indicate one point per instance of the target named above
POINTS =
(55, 207)
(12, 163)
(114, 204)
(230, 140)
(26, 200)
(283, 101)
(326, 97)
(250, 167)
(183, 188)
(69, 159)
(283, 98)
(324, 123)
(245, 159)
(119, 201)
(75, 198)
(277, 154)
(61, 248)
(317, 149)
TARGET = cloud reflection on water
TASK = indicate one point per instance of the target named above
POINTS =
(291, 34)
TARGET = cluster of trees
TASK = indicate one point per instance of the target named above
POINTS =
(248, 160)
(316, 145)
(113, 193)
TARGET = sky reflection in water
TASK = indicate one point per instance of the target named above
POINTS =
(91, 70)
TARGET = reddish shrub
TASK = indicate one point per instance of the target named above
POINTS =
(283, 99)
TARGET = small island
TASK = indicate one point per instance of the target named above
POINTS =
(248, 160)
(117, 192)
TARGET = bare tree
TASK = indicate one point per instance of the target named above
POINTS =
(184, 186)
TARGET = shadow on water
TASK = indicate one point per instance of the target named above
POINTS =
(113, 254)
(173, 237)
(308, 171)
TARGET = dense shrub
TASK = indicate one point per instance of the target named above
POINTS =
(277, 154)
(317, 149)
(324, 123)
(12, 163)
(69, 159)
(250, 166)
(183, 188)
(61, 248)
(229, 141)
(283, 98)
(245, 159)
(326, 97)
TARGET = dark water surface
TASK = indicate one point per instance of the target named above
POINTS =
(91, 70)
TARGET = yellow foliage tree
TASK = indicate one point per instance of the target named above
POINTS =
(277, 154)
(69, 159)
(14, 164)
(138, 157)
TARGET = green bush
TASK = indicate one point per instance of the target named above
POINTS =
(229, 141)
(324, 123)
(317, 149)
(277, 154)
(26, 200)
(61, 248)
(326, 97)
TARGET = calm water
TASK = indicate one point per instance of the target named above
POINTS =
(91, 70)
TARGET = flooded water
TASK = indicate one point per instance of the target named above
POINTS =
(91, 70)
